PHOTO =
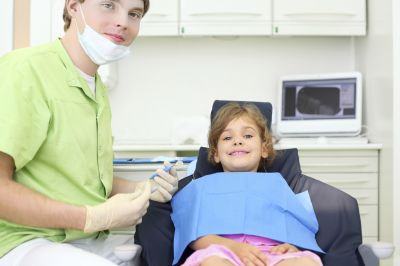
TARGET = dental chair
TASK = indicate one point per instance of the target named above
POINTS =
(337, 213)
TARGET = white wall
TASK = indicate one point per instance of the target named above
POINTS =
(166, 78)
(396, 129)
(6, 26)
(374, 57)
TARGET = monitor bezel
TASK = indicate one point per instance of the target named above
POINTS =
(320, 127)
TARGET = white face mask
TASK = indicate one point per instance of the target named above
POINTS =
(100, 49)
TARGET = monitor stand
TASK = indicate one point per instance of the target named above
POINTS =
(323, 140)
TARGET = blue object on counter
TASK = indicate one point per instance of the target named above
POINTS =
(160, 159)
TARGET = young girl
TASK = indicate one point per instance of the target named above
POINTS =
(239, 140)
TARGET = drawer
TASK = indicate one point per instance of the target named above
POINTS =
(339, 164)
(338, 153)
(364, 196)
(369, 220)
(369, 240)
(347, 180)
(141, 172)
(143, 154)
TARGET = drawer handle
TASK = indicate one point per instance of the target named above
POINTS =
(364, 213)
(157, 15)
(345, 181)
(225, 14)
(361, 196)
(141, 168)
(326, 165)
(322, 14)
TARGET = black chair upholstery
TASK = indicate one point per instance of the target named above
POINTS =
(155, 234)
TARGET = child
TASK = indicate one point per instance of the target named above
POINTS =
(240, 141)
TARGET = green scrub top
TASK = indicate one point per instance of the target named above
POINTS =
(58, 133)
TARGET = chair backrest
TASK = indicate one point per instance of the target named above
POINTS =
(337, 212)
(264, 107)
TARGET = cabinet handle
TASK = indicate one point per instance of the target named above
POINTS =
(225, 14)
(323, 15)
(364, 213)
(157, 15)
(326, 165)
(345, 181)
(140, 168)
(361, 196)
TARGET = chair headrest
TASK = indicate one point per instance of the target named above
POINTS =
(264, 107)
(286, 162)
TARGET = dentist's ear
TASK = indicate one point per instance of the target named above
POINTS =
(72, 7)
(74, 10)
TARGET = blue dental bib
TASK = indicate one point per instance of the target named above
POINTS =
(260, 204)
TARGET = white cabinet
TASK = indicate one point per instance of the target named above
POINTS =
(143, 171)
(161, 19)
(352, 170)
(225, 17)
(319, 17)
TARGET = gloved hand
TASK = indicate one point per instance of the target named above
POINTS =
(166, 184)
(121, 210)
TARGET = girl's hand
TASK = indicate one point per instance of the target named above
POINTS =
(249, 254)
(283, 248)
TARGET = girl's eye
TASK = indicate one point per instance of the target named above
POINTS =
(226, 138)
(248, 136)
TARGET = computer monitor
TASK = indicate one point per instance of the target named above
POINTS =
(319, 105)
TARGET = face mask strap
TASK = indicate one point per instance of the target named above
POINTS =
(83, 17)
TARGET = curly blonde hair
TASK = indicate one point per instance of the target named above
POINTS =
(231, 111)
(67, 18)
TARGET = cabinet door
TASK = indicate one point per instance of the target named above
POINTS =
(161, 19)
(319, 17)
(225, 17)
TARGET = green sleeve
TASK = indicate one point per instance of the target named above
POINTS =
(24, 113)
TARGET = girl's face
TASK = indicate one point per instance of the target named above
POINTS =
(240, 146)
(117, 20)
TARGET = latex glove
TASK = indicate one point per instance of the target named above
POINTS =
(121, 210)
(166, 184)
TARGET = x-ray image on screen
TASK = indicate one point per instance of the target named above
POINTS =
(319, 99)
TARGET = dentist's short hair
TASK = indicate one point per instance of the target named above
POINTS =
(232, 111)
(67, 17)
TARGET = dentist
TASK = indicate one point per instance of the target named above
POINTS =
(58, 196)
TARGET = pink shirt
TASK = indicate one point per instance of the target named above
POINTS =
(262, 243)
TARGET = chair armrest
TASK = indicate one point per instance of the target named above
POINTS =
(382, 250)
(128, 252)
(372, 252)
(368, 256)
